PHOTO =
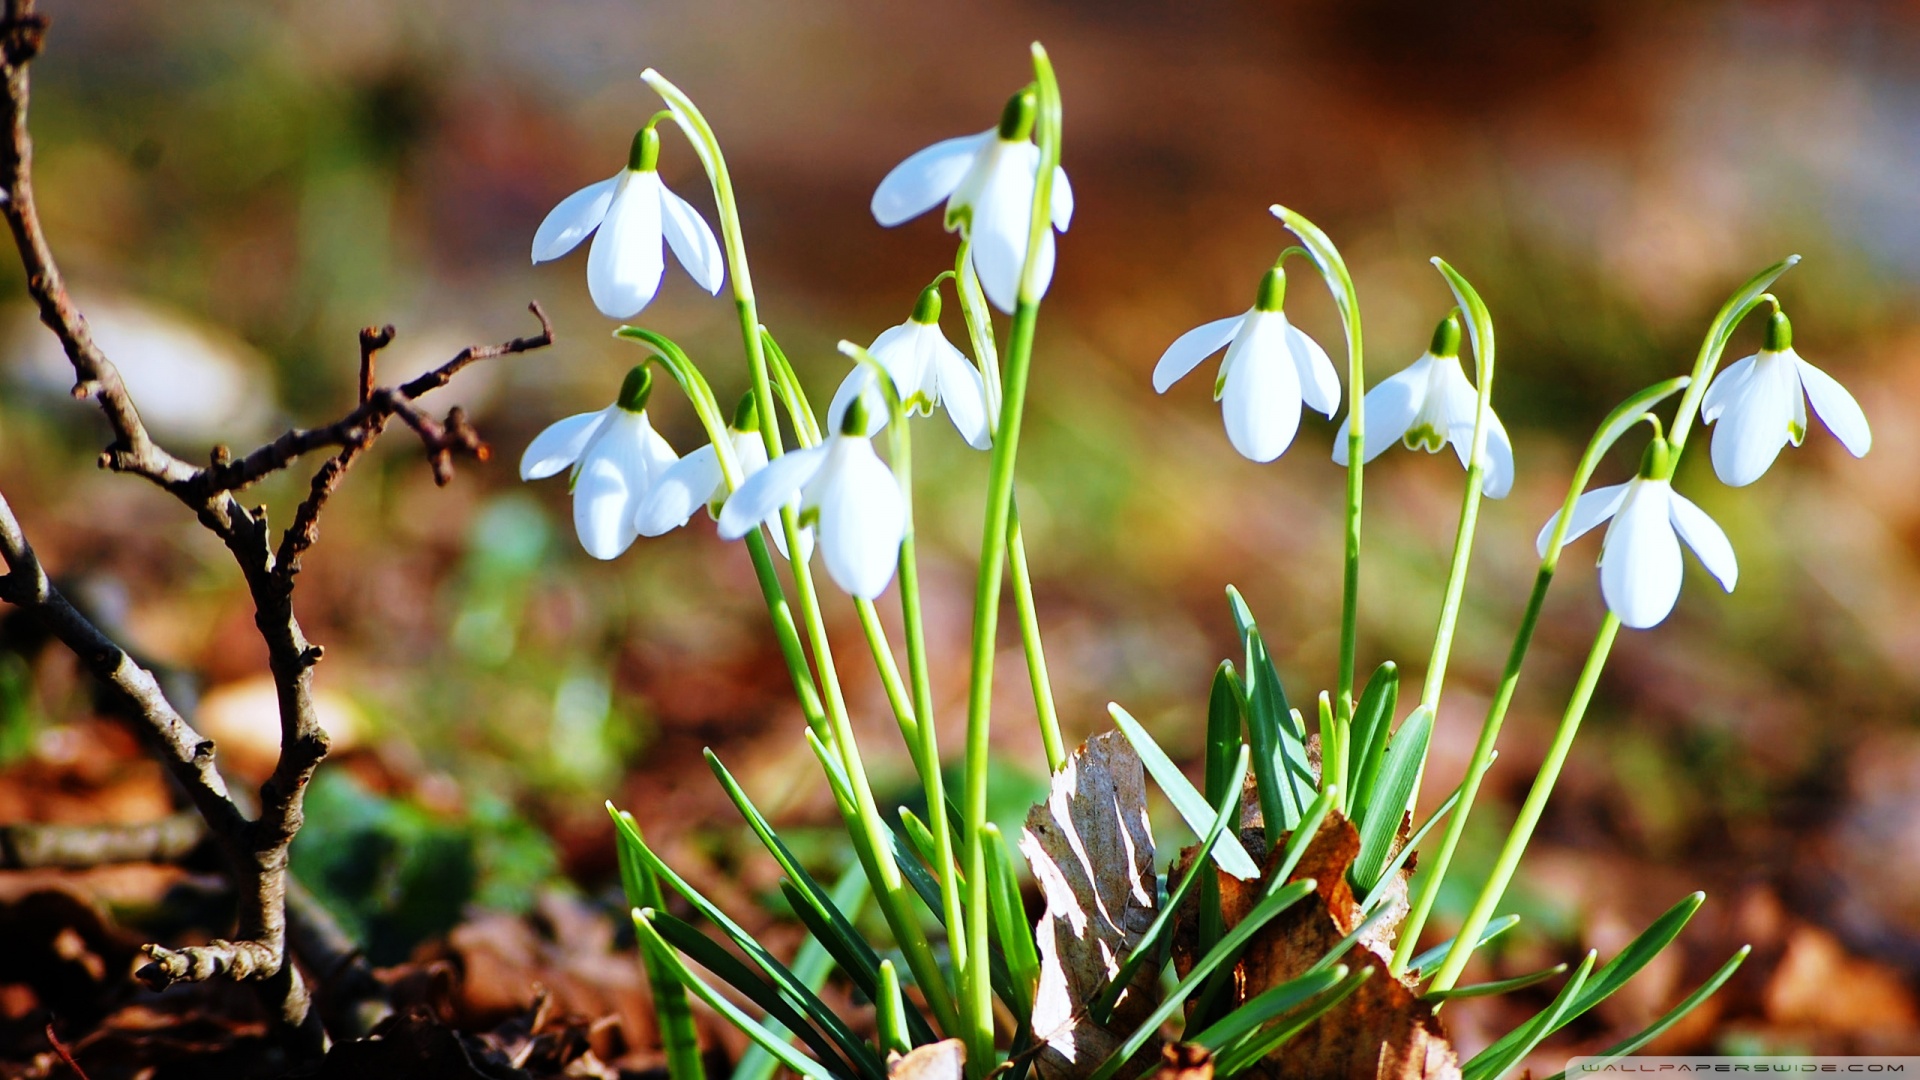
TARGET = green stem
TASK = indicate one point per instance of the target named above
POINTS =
(1530, 811)
(1043, 706)
(976, 986)
(904, 713)
(890, 889)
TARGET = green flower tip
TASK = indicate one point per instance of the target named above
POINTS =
(854, 421)
(926, 310)
(636, 389)
(1446, 336)
(746, 415)
(1655, 461)
(1779, 332)
(645, 152)
(1273, 291)
(1016, 120)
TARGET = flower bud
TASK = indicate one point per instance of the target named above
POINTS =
(636, 389)
(1446, 336)
(1273, 291)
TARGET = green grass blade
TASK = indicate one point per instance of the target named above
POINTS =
(1149, 943)
(1187, 801)
(1250, 1051)
(1501, 986)
(1495, 1060)
(655, 946)
(918, 836)
(1010, 924)
(890, 1012)
(1223, 733)
(790, 987)
(1405, 753)
(1434, 957)
(679, 1037)
(811, 965)
(1229, 946)
(1372, 719)
(1263, 1007)
(1659, 1027)
(1379, 890)
(1280, 766)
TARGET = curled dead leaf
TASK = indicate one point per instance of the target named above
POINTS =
(942, 1060)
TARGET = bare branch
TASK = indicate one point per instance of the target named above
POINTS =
(169, 839)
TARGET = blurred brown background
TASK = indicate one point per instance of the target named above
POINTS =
(235, 188)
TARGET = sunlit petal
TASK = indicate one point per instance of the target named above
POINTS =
(569, 223)
(1836, 409)
(1061, 209)
(862, 518)
(917, 184)
(1725, 388)
(960, 390)
(682, 488)
(1706, 538)
(1640, 562)
(1319, 381)
(692, 241)
(1261, 398)
(763, 493)
(1756, 421)
(608, 489)
(560, 445)
(626, 260)
(1388, 409)
(1190, 348)
(1590, 509)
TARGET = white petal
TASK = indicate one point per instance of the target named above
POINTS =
(1261, 399)
(608, 489)
(1389, 408)
(1319, 381)
(559, 445)
(626, 260)
(1062, 206)
(1499, 454)
(1190, 348)
(765, 492)
(899, 350)
(1001, 213)
(862, 518)
(1463, 401)
(859, 382)
(692, 242)
(1755, 423)
(778, 532)
(1590, 509)
(1836, 409)
(1640, 562)
(569, 223)
(1724, 388)
(682, 488)
(917, 184)
(1706, 538)
(960, 390)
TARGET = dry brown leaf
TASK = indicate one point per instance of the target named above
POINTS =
(1091, 850)
(1185, 1061)
(934, 1061)
(1819, 985)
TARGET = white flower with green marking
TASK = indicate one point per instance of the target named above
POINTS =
(634, 218)
(1429, 404)
(1760, 405)
(987, 181)
(927, 371)
(846, 491)
(697, 480)
(1270, 372)
(616, 459)
(1640, 564)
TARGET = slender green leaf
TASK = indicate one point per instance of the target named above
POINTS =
(655, 946)
(1280, 767)
(890, 1012)
(1150, 942)
(918, 836)
(1379, 890)
(1230, 945)
(811, 965)
(1372, 718)
(1434, 957)
(1010, 924)
(1406, 751)
(1265, 1006)
(1495, 1060)
(1188, 802)
(1341, 947)
(1223, 733)
(1659, 1027)
(1257, 1047)
(1500, 986)
(679, 1036)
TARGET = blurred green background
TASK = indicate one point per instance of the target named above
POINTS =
(234, 189)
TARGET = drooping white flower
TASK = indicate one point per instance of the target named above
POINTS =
(927, 371)
(616, 459)
(847, 491)
(987, 181)
(697, 480)
(1761, 405)
(637, 218)
(1271, 370)
(1429, 404)
(1640, 565)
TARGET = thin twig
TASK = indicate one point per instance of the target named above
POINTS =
(36, 846)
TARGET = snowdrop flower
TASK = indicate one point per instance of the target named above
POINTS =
(987, 181)
(616, 458)
(847, 491)
(1640, 555)
(634, 213)
(1762, 405)
(1429, 404)
(697, 479)
(1270, 371)
(927, 371)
